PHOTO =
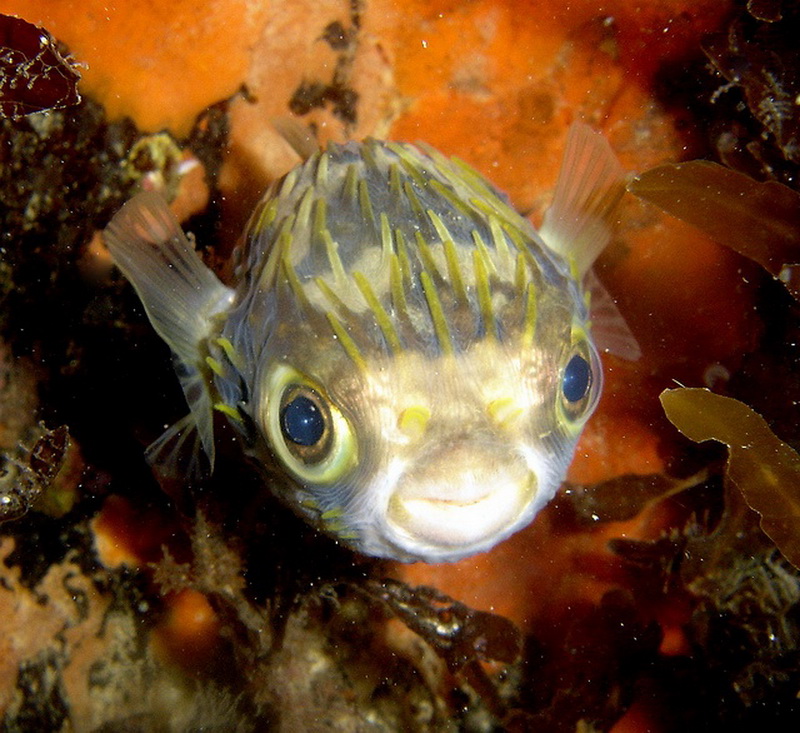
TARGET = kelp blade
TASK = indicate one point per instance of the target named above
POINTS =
(758, 220)
(764, 468)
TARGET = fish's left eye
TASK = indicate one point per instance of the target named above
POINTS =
(577, 379)
(581, 380)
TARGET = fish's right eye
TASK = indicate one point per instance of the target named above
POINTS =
(305, 424)
(306, 431)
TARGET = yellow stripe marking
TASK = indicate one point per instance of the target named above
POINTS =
(304, 209)
(529, 323)
(396, 284)
(454, 270)
(215, 366)
(402, 254)
(425, 254)
(485, 253)
(347, 343)
(468, 174)
(381, 316)
(332, 251)
(521, 274)
(265, 217)
(450, 255)
(573, 269)
(368, 153)
(230, 352)
(365, 203)
(499, 239)
(320, 224)
(504, 411)
(322, 170)
(294, 282)
(413, 199)
(437, 314)
(484, 293)
(231, 412)
(351, 182)
(452, 198)
(483, 206)
(395, 187)
(328, 293)
(410, 163)
(387, 250)
(438, 225)
(288, 183)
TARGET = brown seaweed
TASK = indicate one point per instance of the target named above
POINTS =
(623, 497)
(764, 468)
(759, 220)
(460, 635)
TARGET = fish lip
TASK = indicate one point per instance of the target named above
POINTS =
(459, 527)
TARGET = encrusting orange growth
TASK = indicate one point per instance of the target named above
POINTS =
(158, 63)
(525, 78)
(189, 631)
(128, 535)
(498, 85)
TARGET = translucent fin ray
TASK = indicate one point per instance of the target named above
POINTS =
(590, 184)
(609, 329)
(299, 137)
(180, 295)
(177, 452)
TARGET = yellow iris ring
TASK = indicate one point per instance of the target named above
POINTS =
(343, 454)
(572, 417)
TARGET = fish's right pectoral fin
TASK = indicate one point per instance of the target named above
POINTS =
(298, 136)
(180, 295)
(178, 291)
(177, 452)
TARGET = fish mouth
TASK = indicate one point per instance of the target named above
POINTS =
(468, 524)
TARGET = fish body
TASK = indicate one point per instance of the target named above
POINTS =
(406, 351)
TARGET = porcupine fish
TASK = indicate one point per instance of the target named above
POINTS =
(408, 351)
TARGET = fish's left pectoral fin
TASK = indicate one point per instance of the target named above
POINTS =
(610, 331)
(590, 185)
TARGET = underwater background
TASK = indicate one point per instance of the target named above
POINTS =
(660, 589)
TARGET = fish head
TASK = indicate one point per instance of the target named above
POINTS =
(426, 456)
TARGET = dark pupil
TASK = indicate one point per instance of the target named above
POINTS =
(577, 378)
(302, 422)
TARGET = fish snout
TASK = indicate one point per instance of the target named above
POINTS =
(462, 499)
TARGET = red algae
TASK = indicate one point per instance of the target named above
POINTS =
(34, 76)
